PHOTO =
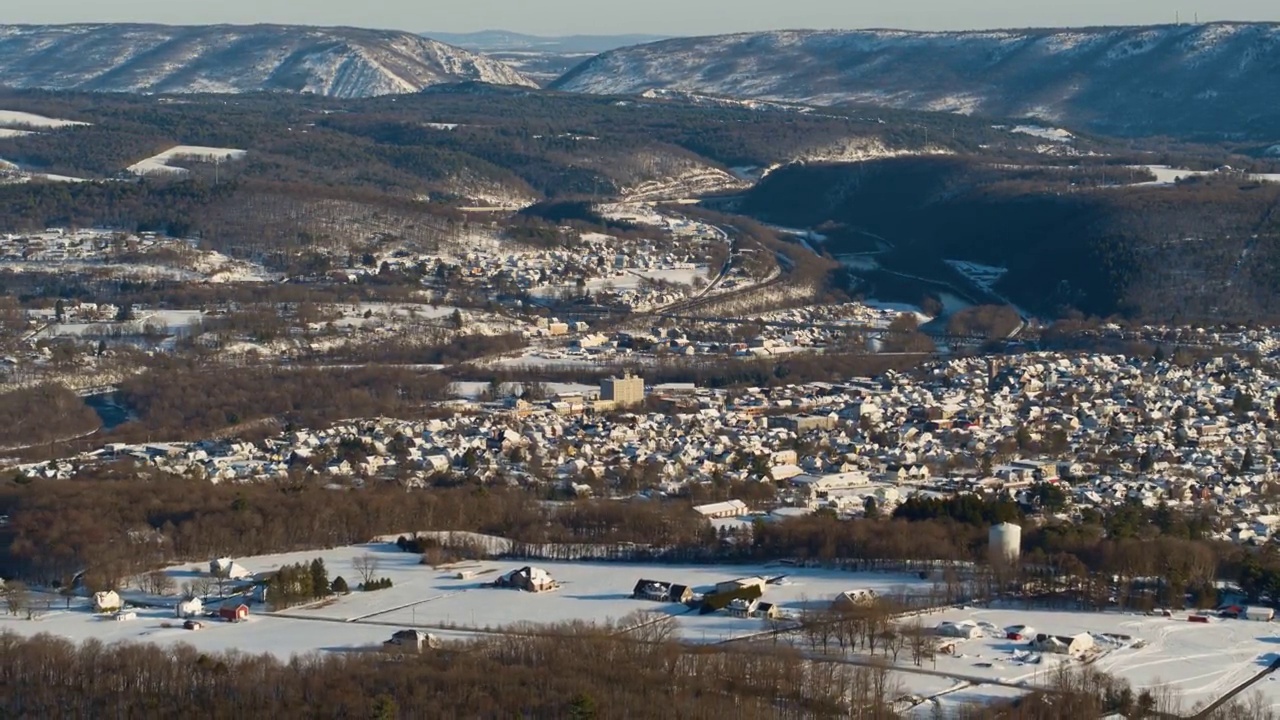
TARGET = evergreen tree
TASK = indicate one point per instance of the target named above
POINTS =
(319, 578)
(582, 707)
(60, 311)
(339, 586)
(385, 708)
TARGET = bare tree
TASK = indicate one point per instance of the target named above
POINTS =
(367, 567)
(16, 597)
(159, 583)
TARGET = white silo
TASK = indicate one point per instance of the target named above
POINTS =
(1005, 543)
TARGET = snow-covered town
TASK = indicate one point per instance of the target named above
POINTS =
(1106, 430)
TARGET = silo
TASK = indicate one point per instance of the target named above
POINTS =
(1005, 543)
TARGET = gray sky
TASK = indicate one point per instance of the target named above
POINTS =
(675, 17)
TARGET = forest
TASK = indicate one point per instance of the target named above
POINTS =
(1068, 242)
(633, 668)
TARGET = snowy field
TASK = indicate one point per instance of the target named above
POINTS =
(1044, 133)
(1166, 175)
(437, 600)
(160, 163)
(14, 118)
(589, 591)
(1202, 661)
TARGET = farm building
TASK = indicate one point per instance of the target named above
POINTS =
(966, 629)
(234, 613)
(125, 615)
(743, 607)
(529, 579)
(727, 509)
(228, 568)
(1258, 614)
(193, 625)
(1019, 632)
(410, 641)
(853, 599)
(660, 591)
(768, 611)
(106, 601)
(740, 583)
(189, 608)
(1074, 645)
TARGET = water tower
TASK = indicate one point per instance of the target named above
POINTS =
(1005, 543)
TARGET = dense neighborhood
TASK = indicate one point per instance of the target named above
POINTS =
(1101, 430)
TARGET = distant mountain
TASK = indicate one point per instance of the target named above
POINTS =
(1217, 78)
(336, 62)
(490, 41)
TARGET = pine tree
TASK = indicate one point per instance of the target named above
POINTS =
(339, 586)
(582, 707)
(385, 708)
(319, 578)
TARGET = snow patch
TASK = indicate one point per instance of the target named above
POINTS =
(159, 164)
(14, 118)
(1044, 133)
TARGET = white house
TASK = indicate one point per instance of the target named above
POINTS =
(189, 608)
(106, 601)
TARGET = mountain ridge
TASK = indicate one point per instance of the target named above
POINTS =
(341, 62)
(1185, 79)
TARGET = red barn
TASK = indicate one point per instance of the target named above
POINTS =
(234, 613)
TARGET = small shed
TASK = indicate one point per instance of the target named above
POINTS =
(193, 625)
(1258, 613)
(125, 615)
(234, 613)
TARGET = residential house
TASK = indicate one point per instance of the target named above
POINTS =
(853, 599)
(528, 579)
(410, 641)
(1074, 645)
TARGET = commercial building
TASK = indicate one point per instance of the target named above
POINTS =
(623, 391)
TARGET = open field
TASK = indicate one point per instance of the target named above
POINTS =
(1201, 661)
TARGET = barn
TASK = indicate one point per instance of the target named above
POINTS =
(234, 613)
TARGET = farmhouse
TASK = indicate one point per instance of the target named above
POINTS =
(529, 579)
(411, 641)
(743, 607)
(1074, 645)
(768, 611)
(853, 599)
(106, 601)
(189, 608)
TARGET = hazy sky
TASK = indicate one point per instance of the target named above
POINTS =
(675, 17)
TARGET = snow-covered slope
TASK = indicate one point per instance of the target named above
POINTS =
(338, 62)
(1185, 78)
